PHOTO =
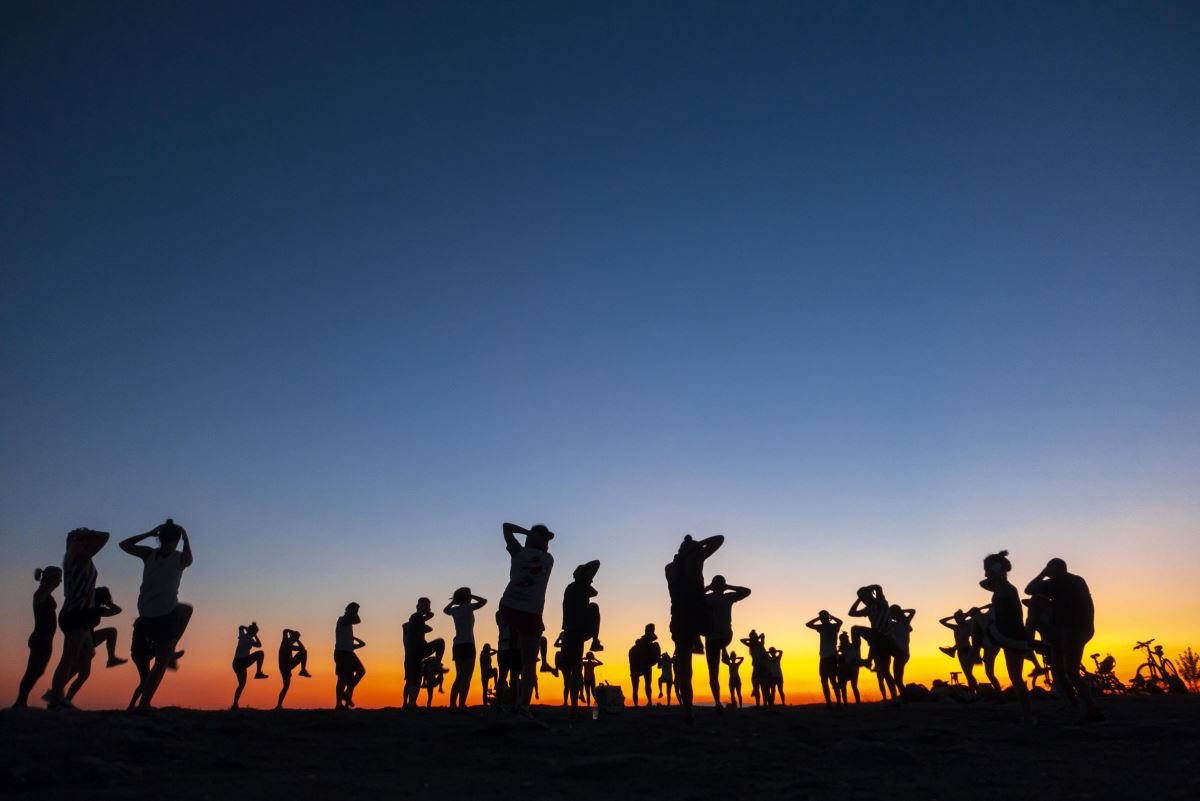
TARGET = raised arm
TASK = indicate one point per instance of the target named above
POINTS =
(738, 593)
(448, 609)
(478, 602)
(711, 544)
(110, 609)
(1033, 587)
(510, 538)
(835, 621)
(857, 609)
(130, 544)
(909, 614)
(185, 560)
(812, 624)
(948, 621)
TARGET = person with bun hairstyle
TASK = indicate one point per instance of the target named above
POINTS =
(244, 656)
(77, 618)
(41, 640)
(1007, 626)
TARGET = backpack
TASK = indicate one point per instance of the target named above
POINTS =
(610, 699)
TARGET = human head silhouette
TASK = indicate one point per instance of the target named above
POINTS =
(996, 564)
(49, 577)
(823, 615)
(423, 605)
(169, 534)
(539, 537)
(866, 594)
(1056, 567)
(587, 572)
(80, 543)
(103, 595)
(461, 596)
(718, 583)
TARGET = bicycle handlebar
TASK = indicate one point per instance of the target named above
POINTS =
(1145, 644)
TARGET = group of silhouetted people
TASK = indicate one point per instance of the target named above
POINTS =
(1057, 627)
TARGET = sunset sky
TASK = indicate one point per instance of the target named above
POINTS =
(871, 290)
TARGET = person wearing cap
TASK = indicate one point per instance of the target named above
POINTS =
(524, 598)
(581, 622)
(348, 667)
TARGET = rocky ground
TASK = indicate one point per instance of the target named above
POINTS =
(1148, 748)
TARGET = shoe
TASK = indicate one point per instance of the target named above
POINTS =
(304, 674)
(115, 661)
(596, 646)
(948, 650)
(174, 663)
(261, 676)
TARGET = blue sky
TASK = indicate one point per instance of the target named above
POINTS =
(343, 292)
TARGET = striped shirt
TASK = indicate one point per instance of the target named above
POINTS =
(79, 583)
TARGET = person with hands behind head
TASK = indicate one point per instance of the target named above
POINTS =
(347, 666)
(462, 607)
(828, 627)
(162, 619)
(524, 599)
(691, 617)
(78, 616)
(720, 597)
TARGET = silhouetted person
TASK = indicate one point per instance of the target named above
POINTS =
(508, 663)
(487, 672)
(666, 675)
(691, 618)
(759, 679)
(734, 663)
(292, 654)
(775, 674)
(433, 676)
(106, 636)
(347, 666)
(78, 616)
(828, 627)
(581, 622)
(417, 650)
(1008, 626)
(162, 619)
(849, 662)
(963, 624)
(462, 608)
(872, 605)
(1072, 623)
(524, 598)
(244, 656)
(590, 663)
(901, 633)
(720, 597)
(643, 657)
(41, 640)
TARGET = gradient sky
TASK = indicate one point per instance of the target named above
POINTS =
(871, 290)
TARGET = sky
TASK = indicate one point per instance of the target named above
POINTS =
(871, 289)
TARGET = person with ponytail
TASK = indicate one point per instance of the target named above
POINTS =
(41, 641)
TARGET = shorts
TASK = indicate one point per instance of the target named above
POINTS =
(70, 620)
(346, 664)
(717, 642)
(827, 668)
(572, 648)
(148, 631)
(528, 623)
(463, 650)
(240, 663)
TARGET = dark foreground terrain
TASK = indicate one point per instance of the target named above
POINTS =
(1148, 748)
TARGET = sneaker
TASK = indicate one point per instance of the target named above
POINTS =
(596, 646)
(948, 650)
(115, 661)
(174, 663)
(304, 674)
(261, 676)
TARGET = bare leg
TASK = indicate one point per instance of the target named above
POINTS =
(240, 672)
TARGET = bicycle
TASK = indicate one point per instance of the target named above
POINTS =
(1162, 677)
(1104, 681)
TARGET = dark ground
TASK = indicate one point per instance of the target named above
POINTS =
(1149, 747)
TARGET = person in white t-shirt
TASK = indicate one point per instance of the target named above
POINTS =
(162, 619)
(462, 608)
(524, 598)
(720, 597)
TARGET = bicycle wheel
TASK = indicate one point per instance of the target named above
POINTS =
(1168, 669)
